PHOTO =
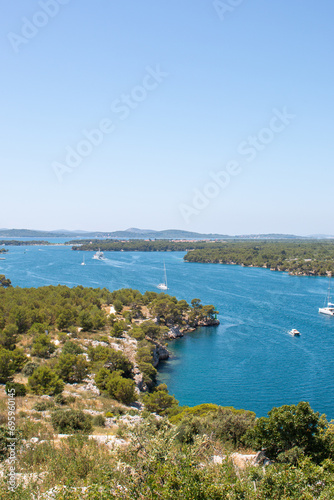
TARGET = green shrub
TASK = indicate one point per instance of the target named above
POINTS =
(10, 362)
(19, 389)
(72, 368)
(29, 368)
(189, 428)
(60, 399)
(116, 411)
(8, 337)
(291, 428)
(99, 421)
(196, 411)
(42, 347)
(222, 423)
(118, 306)
(86, 321)
(40, 406)
(45, 381)
(121, 389)
(71, 348)
(160, 402)
(149, 373)
(65, 319)
(145, 352)
(71, 421)
(101, 378)
(137, 333)
(62, 337)
(117, 330)
(112, 359)
(43, 405)
(104, 338)
(151, 329)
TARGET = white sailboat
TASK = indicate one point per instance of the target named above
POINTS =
(329, 308)
(83, 260)
(163, 286)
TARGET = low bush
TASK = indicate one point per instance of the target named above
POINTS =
(42, 347)
(99, 421)
(45, 381)
(19, 389)
(43, 405)
(71, 421)
(60, 400)
(160, 401)
(29, 368)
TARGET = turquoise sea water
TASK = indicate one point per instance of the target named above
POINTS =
(249, 361)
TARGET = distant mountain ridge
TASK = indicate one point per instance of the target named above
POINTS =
(133, 233)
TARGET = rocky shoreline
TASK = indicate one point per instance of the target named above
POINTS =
(161, 353)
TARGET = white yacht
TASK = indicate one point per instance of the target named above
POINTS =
(83, 261)
(98, 255)
(329, 308)
(163, 286)
(294, 332)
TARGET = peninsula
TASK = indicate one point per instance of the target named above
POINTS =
(298, 257)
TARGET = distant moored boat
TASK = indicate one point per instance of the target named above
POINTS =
(329, 308)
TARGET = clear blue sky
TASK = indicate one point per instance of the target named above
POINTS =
(221, 77)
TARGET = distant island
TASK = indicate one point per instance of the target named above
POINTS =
(140, 245)
(135, 233)
(18, 243)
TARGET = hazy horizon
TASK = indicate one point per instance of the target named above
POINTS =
(163, 229)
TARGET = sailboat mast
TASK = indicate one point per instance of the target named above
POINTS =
(165, 274)
(329, 290)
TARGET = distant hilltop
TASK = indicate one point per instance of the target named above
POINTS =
(134, 233)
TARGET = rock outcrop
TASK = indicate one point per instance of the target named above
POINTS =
(160, 353)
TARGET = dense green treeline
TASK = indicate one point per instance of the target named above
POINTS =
(300, 257)
(21, 243)
(51, 306)
(32, 320)
(140, 245)
(65, 308)
(297, 257)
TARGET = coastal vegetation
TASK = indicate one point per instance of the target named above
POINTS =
(298, 257)
(92, 423)
(23, 243)
(139, 245)
(4, 282)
